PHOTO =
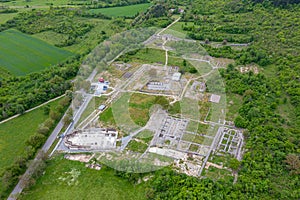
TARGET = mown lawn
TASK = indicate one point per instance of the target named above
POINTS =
(22, 54)
(66, 180)
(15, 132)
(125, 11)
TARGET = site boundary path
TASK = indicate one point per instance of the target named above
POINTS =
(19, 187)
(31, 109)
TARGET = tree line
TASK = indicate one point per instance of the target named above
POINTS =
(22, 93)
(11, 174)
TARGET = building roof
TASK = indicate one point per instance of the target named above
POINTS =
(101, 107)
(176, 76)
(215, 98)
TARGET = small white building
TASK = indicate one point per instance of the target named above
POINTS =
(215, 98)
(101, 107)
(100, 88)
(176, 76)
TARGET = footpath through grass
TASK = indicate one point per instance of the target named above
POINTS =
(125, 11)
(66, 180)
(22, 54)
(15, 132)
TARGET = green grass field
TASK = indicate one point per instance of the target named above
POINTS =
(87, 183)
(39, 3)
(22, 54)
(125, 11)
(91, 107)
(234, 102)
(139, 107)
(151, 55)
(4, 17)
(15, 132)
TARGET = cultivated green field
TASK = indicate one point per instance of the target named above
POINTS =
(22, 54)
(126, 11)
(15, 132)
(68, 180)
(39, 3)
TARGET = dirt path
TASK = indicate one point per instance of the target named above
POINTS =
(15, 116)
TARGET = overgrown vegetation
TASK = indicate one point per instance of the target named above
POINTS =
(27, 139)
(68, 179)
(137, 146)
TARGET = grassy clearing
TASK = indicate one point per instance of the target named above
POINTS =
(146, 136)
(193, 138)
(125, 11)
(4, 17)
(57, 183)
(107, 117)
(139, 107)
(234, 102)
(204, 108)
(147, 55)
(197, 127)
(22, 54)
(285, 111)
(91, 39)
(176, 30)
(217, 174)
(175, 33)
(15, 132)
(175, 108)
(51, 37)
(178, 26)
(202, 67)
(91, 107)
(188, 108)
(193, 147)
(40, 3)
(121, 114)
(192, 126)
(137, 146)
(151, 55)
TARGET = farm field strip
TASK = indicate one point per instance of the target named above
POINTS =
(126, 11)
(22, 54)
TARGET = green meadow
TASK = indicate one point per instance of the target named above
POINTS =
(15, 132)
(125, 11)
(66, 180)
(21, 54)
